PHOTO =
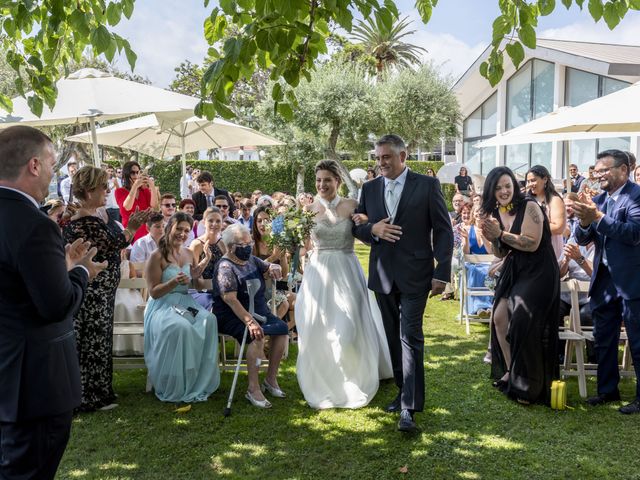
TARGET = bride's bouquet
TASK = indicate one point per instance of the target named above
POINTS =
(289, 231)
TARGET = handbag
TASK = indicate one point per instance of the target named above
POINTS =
(559, 395)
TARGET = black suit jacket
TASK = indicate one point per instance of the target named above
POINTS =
(39, 372)
(409, 262)
(201, 202)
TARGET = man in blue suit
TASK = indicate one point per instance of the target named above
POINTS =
(612, 222)
(42, 284)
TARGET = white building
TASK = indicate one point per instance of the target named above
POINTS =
(555, 74)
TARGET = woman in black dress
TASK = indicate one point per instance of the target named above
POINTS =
(524, 332)
(93, 324)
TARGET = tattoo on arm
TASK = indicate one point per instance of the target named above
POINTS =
(518, 241)
(535, 215)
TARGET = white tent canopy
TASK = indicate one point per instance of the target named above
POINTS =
(89, 95)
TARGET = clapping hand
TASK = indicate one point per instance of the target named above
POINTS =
(386, 231)
(198, 269)
(586, 210)
(138, 218)
(75, 251)
(572, 251)
(490, 228)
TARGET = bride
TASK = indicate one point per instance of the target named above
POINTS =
(342, 351)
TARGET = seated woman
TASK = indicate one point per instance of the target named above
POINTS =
(180, 337)
(285, 301)
(231, 307)
(473, 243)
(212, 219)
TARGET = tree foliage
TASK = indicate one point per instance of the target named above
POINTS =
(385, 44)
(289, 36)
(41, 38)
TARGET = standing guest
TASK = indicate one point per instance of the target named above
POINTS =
(463, 182)
(430, 172)
(576, 179)
(185, 184)
(211, 241)
(612, 222)
(65, 185)
(636, 175)
(145, 246)
(138, 192)
(168, 206)
(42, 284)
(371, 174)
(237, 203)
(255, 196)
(231, 307)
(180, 337)
(540, 187)
(204, 198)
(112, 206)
(93, 323)
(221, 203)
(245, 217)
(591, 185)
(524, 332)
(408, 228)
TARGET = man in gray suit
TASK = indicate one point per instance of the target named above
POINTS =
(408, 227)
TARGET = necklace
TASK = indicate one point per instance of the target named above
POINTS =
(506, 209)
(329, 205)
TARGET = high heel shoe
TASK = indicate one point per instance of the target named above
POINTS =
(257, 403)
(275, 391)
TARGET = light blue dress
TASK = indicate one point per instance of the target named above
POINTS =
(180, 350)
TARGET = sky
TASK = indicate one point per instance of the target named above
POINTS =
(163, 35)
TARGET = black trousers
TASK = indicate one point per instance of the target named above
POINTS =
(33, 449)
(402, 319)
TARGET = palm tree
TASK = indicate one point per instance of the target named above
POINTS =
(385, 44)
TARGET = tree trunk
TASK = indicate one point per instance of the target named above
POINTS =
(333, 155)
(300, 179)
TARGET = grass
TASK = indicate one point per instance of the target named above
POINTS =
(470, 431)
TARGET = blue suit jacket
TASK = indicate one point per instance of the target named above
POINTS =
(621, 229)
(426, 235)
(39, 373)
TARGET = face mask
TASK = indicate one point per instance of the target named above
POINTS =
(243, 252)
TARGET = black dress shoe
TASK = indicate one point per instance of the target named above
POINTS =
(394, 406)
(629, 408)
(406, 423)
(603, 398)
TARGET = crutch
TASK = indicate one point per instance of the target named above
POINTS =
(253, 285)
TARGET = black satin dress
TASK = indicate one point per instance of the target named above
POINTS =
(530, 281)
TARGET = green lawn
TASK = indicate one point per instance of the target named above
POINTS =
(470, 431)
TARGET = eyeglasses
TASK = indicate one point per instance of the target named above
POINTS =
(169, 205)
(222, 207)
(603, 171)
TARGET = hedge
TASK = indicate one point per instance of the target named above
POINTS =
(247, 176)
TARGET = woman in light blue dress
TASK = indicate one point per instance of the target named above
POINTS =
(180, 337)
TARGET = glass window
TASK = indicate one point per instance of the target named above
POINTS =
(490, 116)
(473, 156)
(582, 153)
(541, 154)
(620, 143)
(473, 124)
(610, 85)
(580, 87)
(488, 160)
(543, 76)
(517, 158)
(519, 97)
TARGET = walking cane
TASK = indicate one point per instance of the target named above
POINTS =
(253, 285)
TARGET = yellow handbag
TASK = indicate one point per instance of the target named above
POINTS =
(559, 395)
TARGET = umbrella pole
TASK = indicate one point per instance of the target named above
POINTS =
(567, 162)
(94, 142)
(184, 157)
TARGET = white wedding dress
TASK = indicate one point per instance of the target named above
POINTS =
(342, 348)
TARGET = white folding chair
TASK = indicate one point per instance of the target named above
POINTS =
(575, 342)
(466, 291)
(130, 329)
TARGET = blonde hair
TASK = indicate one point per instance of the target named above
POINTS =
(87, 179)
(330, 166)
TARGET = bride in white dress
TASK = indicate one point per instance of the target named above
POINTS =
(342, 348)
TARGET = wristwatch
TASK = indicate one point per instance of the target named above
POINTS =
(581, 261)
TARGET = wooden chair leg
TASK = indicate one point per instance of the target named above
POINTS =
(582, 377)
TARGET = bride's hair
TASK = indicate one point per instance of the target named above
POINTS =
(330, 166)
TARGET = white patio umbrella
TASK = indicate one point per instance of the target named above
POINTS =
(160, 136)
(449, 171)
(89, 95)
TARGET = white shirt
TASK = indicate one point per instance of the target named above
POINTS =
(65, 189)
(111, 197)
(143, 248)
(185, 187)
